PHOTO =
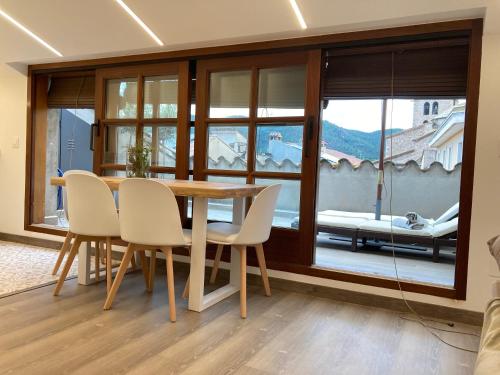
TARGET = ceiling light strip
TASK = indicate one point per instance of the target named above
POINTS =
(30, 33)
(140, 22)
(298, 14)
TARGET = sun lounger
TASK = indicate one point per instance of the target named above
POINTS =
(435, 235)
(355, 225)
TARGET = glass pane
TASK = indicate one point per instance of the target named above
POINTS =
(422, 174)
(121, 98)
(114, 173)
(287, 210)
(165, 176)
(160, 97)
(65, 144)
(162, 139)
(118, 140)
(281, 91)
(191, 148)
(279, 148)
(222, 209)
(230, 94)
(227, 147)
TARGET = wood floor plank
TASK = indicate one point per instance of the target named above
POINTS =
(288, 333)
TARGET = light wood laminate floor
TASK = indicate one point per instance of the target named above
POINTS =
(288, 333)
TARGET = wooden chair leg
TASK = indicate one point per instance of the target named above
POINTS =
(119, 276)
(109, 264)
(259, 249)
(215, 268)
(133, 263)
(170, 282)
(64, 249)
(145, 267)
(97, 266)
(185, 293)
(67, 266)
(243, 281)
(152, 268)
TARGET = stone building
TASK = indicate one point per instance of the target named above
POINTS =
(414, 143)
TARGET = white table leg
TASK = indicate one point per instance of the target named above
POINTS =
(84, 263)
(198, 253)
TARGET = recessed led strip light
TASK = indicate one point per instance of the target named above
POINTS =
(29, 32)
(140, 22)
(298, 14)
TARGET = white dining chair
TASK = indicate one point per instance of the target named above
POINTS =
(254, 231)
(92, 217)
(69, 236)
(149, 220)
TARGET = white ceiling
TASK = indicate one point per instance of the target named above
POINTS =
(93, 28)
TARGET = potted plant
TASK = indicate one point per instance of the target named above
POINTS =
(138, 161)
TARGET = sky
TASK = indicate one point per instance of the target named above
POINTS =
(365, 115)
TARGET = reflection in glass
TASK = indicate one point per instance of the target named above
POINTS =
(191, 148)
(230, 94)
(227, 147)
(162, 140)
(165, 176)
(279, 148)
(121, 98)
(160, 97)
(117, 141)
(281, 91)
(287, 210)
(222, 209)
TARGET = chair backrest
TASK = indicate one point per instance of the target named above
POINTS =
(448, 215)
(257, 225)
(91, 206)
(65, 195)
(149, 214)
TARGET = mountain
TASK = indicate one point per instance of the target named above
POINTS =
(360, 144)
(363, 145)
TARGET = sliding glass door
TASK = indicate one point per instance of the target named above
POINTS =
(256, 122)
(391, 161)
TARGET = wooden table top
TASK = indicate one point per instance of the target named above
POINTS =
(189, 188)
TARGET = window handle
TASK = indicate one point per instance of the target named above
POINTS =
(309, 135)
(93, 127)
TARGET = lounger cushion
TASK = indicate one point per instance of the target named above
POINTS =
(448, 215)
(436, 230)
(340, 222)
(385, 227)
(440, 230)
(356, 215)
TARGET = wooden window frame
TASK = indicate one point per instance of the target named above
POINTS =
(295, 245)
(471, 28)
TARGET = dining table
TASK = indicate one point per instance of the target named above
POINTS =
(201, 192)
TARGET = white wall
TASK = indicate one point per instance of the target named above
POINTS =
(486, 201)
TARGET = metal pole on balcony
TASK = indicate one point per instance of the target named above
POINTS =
(380, 179)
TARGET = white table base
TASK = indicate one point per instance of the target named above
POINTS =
(198, 301)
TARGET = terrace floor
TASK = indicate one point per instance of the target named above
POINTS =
(414, 265)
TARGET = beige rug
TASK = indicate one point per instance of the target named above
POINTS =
(25, 267)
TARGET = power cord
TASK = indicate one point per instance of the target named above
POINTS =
(432, 330)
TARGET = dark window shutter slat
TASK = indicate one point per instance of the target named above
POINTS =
(439, 71)
(72, 92)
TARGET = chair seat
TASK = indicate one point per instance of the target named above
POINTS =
(222, 233)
